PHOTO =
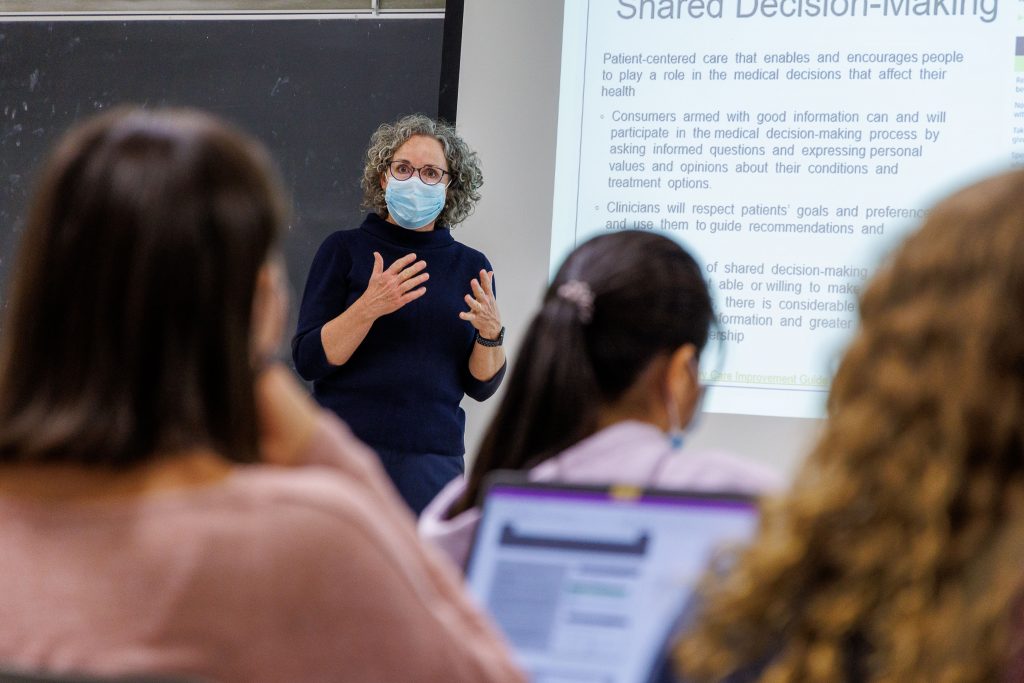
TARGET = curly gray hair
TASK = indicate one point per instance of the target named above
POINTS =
(463, 165)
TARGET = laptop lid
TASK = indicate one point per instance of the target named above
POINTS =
(587, 582)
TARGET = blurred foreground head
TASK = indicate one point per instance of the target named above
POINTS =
(130, 322)
(899, 553)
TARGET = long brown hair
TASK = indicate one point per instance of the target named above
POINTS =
(128, 330)
(899, 553)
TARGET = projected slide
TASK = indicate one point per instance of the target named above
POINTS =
(789, 144)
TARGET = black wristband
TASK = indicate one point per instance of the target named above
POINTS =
(484, 341)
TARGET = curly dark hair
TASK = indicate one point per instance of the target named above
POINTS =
(903, 537)
(463, 165)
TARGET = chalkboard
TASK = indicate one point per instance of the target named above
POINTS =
(313, 90)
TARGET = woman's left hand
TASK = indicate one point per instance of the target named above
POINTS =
(483, 308)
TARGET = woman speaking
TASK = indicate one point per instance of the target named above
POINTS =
(398, 320)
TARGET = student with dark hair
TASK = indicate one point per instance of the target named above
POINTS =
(173, 502)
(605, 382)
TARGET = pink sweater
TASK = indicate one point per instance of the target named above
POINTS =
(273, 574)
(629, 452)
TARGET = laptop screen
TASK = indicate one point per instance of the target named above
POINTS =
(587, 582)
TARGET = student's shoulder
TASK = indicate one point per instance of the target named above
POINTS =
(309, 497)
(720, 471)
(339, 484)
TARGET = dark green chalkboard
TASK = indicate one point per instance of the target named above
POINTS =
(311, 89)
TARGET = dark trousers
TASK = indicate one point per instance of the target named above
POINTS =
(420, 476)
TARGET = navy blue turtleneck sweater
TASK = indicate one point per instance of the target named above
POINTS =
(400, 391)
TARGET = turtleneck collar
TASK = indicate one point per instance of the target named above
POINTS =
(440, 236)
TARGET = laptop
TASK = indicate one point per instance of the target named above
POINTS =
(588, 582)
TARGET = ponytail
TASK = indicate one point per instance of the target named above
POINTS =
(551, 400)
(617, 303)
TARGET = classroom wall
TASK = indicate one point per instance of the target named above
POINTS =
(508, 105)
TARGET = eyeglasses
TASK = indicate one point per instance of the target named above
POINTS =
(430, 175)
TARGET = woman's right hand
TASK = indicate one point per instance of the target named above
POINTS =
(388, 290)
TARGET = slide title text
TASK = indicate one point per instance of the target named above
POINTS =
(986, 10)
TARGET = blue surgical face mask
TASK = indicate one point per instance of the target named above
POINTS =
(412, 203)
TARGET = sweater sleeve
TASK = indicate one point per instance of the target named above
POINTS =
(322, 301)
(483, 390)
